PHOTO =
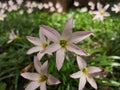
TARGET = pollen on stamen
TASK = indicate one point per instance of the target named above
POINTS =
(44, 45)
(42, 78)
(63, 43)
(85, 71)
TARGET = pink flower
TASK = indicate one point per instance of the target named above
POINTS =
(40, 78)
(40, 44)
(85, 74)
(12, 37)
(64, 42)
(101, 13)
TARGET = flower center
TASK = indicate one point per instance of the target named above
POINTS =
(85, 71)
(102, 13)
(43, 78)
(1, 16)
(63, 43)
(44, 45)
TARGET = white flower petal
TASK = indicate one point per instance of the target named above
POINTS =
(51, 33)
(37, 64)
(34, 40)
(68, 28)
(43, 86)
(40, 55)
(34, 49)
(81, 63)
(80, 35)
(31, 76)
(82, 83)
(44, 67)
(93, 69)
(76, 49)
(60, 55)
(32, 86)
(76, 75)
(92, 82)
(52, 80)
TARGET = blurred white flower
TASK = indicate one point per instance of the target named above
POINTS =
(21, 12)
(33, 4)
(101, 13)
(116, 8)
(19, 2)
(4, 6)
(30, 10)
(50, 4)
(52, 9)
(76, 3)
(28, 4)
(10, 2)
(58, 5)
(84, 9)
(45, 5)
(40, 6)
(92, 5)
(12, 37)
(2, 15)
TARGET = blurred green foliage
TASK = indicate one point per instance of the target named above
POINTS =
(104, 43)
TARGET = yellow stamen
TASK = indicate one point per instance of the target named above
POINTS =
(102, 12)
(85, 71)
(44, 45)
(43, 78)
(63, 43)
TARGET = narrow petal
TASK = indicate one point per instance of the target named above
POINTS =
(42, 37)
(51, 33)
(68, 28)
(80, 35)
(37, 64)
(52, 48)
(92, 82)
(99, 6)
(9, 41)
(31, 76)
(32, 86)
(44, 67)
(34, 49)
(52, 80)
(106, 7)
(96, 17)
(76, 49)
(82, 83)
(34, 40)
(76, 75)
(81, 63)
(40, 55)
(93, 69)
(60, 55)
(43, 86)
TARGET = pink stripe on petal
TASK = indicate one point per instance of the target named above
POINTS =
(52, 80)
(31, 76)
(52, 48)
(93, 69)
(82, 83)
(37, 64)
(76, 49)
(44, 67)
(92, 82)
(51, 33)
(32, 86)
(60, 55)
(81, 63)
(68, 28)
(76, 75)
(43, 86)
(80, 35)
(34, 40)
(34, 49)
(40, 55)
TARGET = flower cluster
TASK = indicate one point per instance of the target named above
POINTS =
(50, 41)
(29, 7)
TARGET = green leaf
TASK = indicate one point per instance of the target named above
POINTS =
(3, 86)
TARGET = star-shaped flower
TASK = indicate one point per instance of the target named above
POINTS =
(64, 42)
(40, 78)
(101, 13)
(40, 44)
(85, 74)
(116, 8)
